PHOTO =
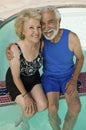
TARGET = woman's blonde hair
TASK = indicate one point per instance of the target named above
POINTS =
(22, 17)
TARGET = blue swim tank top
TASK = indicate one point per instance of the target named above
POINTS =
(58, 58)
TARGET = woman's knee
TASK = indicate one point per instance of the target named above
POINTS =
(42, 106)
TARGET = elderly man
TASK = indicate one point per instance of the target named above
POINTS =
(60, 74)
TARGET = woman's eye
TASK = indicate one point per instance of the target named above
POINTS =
(39, 27)
(31, 27)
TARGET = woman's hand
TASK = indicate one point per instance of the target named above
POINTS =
(30, 105)
(9, 53)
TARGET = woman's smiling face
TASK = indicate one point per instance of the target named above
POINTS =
(32, 30)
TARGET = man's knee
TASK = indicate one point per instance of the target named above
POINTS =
(75, 109)
(53, 108)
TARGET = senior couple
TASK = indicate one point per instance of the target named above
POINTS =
(55, 51)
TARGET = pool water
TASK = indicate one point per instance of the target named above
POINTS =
(9, 114)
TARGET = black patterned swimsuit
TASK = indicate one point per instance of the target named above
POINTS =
(30, 68)
(29, 74)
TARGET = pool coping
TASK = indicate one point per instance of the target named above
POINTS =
(13, 102)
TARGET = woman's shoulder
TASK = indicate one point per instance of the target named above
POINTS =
(14, 47)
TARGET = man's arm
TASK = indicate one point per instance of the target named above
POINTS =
(76, 45)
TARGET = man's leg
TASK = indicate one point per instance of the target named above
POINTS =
(53, 99)
(74, 107)
(70, 121)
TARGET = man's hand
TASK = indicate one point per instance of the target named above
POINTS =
(9, 53)
(71, 87)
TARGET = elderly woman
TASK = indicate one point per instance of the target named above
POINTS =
(23, 77)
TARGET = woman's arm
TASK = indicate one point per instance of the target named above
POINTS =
(15, 69)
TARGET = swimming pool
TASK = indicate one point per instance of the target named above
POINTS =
(9, 113)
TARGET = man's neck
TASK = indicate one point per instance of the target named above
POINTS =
(58, 37)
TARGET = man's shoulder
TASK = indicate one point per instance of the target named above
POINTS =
(66, 30)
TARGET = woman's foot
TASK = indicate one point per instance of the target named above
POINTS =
(25, 124)
(18, 121)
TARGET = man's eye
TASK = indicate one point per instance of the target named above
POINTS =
(39, 26)
(52, 21)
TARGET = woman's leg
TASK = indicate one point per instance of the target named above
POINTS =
(40, 99)
(38, 95)
(23, 117)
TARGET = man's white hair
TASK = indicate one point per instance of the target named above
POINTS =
(53, 8)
